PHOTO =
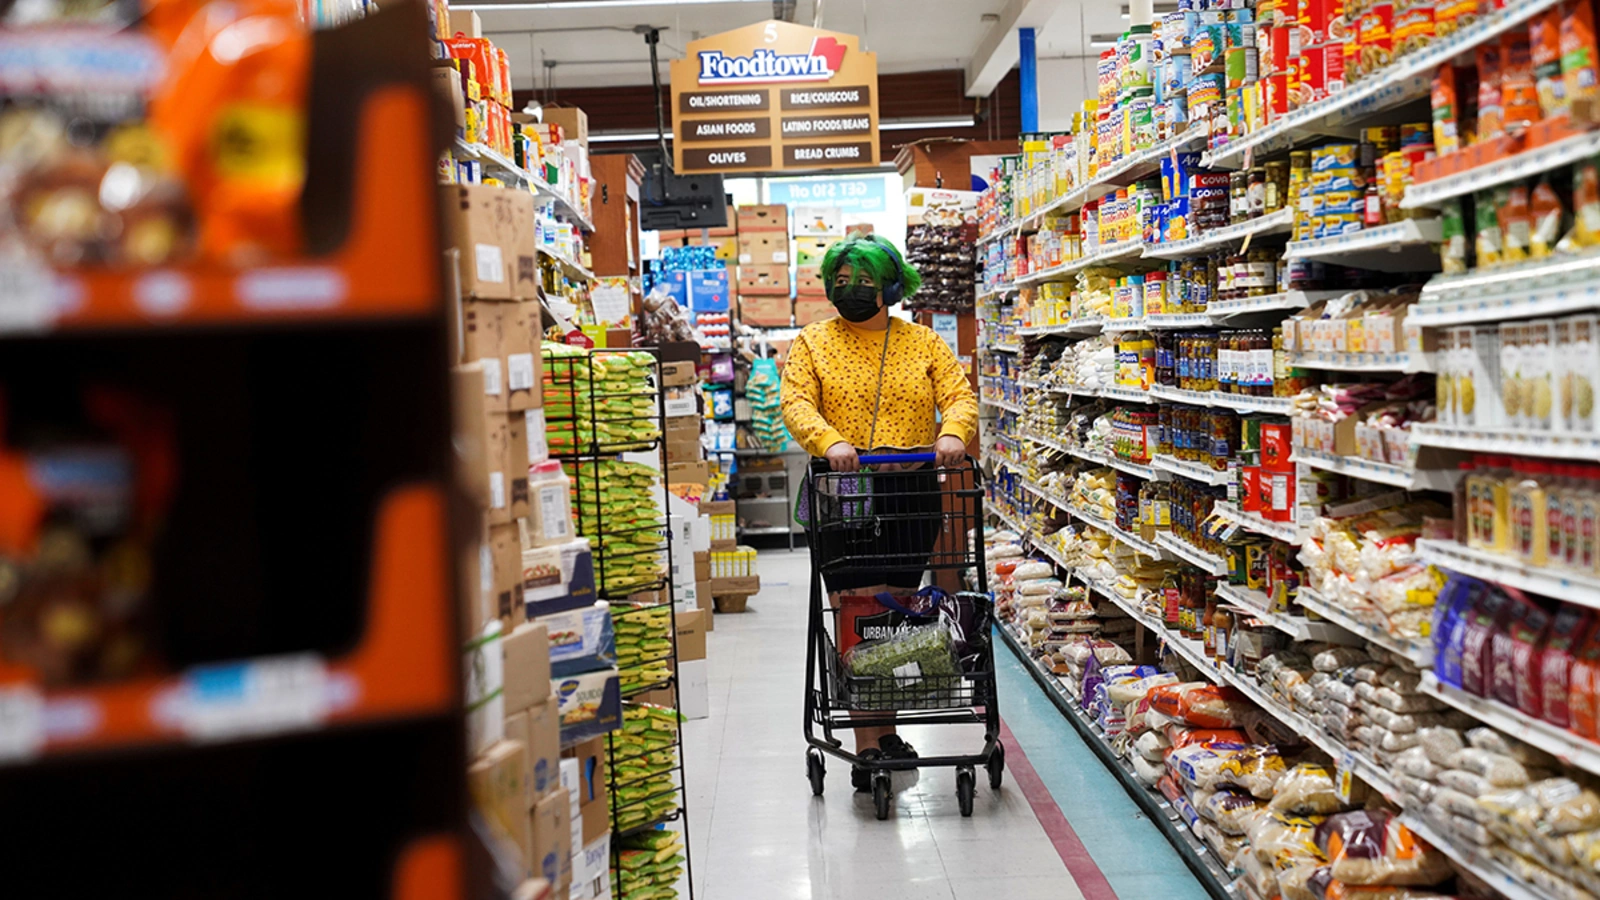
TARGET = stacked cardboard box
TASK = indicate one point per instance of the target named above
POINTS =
(816, 228)
(764, 287)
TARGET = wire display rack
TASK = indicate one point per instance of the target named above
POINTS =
(617, 426)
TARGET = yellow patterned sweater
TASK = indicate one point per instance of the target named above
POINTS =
(830, 388)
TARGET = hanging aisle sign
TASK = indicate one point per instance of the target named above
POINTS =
(774, 96)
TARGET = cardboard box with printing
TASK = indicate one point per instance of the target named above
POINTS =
(498, 783)
(483, 342)
(469, 432)
(520, 330)
(691, 635)
(523, 248)
(551, 822)
(477, 221)
(527, 666)
(762, 217)
(505, 555)
(678, 374)
(592, 794)
(812, 309)
(766, 248)
(540, 733)
(773, 311)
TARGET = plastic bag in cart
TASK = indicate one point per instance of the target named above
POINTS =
(911, 663)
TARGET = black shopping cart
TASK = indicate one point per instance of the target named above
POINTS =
(877, 524)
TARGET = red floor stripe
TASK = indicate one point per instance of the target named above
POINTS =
(1090, 880)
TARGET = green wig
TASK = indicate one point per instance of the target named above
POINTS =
(875, 256)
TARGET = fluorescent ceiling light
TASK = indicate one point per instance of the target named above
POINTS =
(617, 136)
(550, 5)
(918, 124)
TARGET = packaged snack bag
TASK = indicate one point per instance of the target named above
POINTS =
(1579, 58)
(1544, 39)
(1491, 109)
(1373, 847)
(1519, 94)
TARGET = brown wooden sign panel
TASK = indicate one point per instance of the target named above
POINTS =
(731, 90)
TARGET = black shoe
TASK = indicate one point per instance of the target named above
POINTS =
(895, 747)
(861, 777)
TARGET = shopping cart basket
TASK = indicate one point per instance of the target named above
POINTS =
(864, 523)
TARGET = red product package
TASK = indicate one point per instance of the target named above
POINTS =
(1519, 92)
(1528, 633)
(1180, 736)
(1584, 684)
(1249, 485)
(1501, 679)
(1491, 112)
(1475, 642)
(1569, 629)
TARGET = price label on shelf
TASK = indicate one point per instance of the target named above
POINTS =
(260, 696)
(21, 722)
(1344, 778)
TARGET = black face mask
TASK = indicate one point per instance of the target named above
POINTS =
(856, 304)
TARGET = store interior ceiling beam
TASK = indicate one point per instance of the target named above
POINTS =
(998, 52)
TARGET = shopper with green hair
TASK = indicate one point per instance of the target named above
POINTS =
(869, 381)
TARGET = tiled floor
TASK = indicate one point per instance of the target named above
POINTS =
(757, 832)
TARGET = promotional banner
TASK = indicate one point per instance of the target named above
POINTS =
(774, 96)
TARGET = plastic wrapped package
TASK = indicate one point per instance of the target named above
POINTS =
(1423, 791)
(1148, 772)
(1470, 783)
(1386, 740)
(1305, 697)
(1261, 877)
(1486, 738)
(1034, 570)
(1152, 746)
(1325, 887)
(1369, 673)
(1568, 806)
(1306, 789)
(1373, 847)
(1045, 587)
(1280, 840)
(1226, 846)
(1127, 692)
(1498, 770)
(1396, 701)
(1198, 765)
(1442, 744)
(1201, 704)
(1339, 692)
(1234, 813)
(1256, 770)
(1295, 876)
(1450, 800)
(1336, 658)
(1183, 736)
(1415, 763)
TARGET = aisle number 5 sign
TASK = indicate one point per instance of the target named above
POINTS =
(774, 96)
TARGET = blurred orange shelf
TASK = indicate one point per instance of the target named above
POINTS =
(388, 266)
(405, 666)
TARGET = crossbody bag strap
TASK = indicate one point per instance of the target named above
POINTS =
(877, 403)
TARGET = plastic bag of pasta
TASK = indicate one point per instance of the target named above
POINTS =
(1373, 847)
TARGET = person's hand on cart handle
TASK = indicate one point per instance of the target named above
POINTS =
(842, 457)
(948, 452)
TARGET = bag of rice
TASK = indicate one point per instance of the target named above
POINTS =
(1373, 847)
(1497, 770)
(1234, 813)
(1306, 789)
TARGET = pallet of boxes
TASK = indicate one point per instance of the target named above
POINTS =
(732, 567)
(816, 228)
(764, 288)
(533, 695)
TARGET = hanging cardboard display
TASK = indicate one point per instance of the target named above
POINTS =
(774, 96)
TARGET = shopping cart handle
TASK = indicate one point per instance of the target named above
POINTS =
(878, 459)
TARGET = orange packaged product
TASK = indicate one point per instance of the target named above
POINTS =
(480, 53)
(1544, 45)
(1451, 15)
(1583, 687)
(234, 119)
(1491, 115)
(1446, 110)
(1202, 705)
(1579, 56)
(1519, 93)
(1413, 28)
(1181, 736)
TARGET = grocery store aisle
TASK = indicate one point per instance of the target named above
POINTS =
(758, 832)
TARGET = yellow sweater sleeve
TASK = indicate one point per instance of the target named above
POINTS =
(801, 393)
(958, 407)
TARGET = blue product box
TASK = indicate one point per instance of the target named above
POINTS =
(558, 578)
(708, 290)
(677, 286)
(590, 704)
(581, 640)
(721, 404)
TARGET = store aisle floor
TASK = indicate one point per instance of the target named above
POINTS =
(756, 830)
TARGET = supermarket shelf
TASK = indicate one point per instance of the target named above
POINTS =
(1117, 326)
(754, 501)
(1191, 470)
(1408, 78)
(1252, 403)
(1122, 252)
(1208, 869)
(1253, 522)
(573, 267)
(1050, 274)
(1382, 473)
(1006, 519)
(1189, 553)
(1569, 586)
(544, 191)
(994, 292)
(1419, 652)
(1006, 348)
(1121, 465)
(1473, 859)
(1363, 362)
(1178, 320)
(1030, 385)
(1408, 246)
(1125, 394)
(1221, 309)
(1000, 404)
(1515, 167)
(1507, 440)
(1300, 628)
(1180, 395)
(1045, 330)
(1278, 222)
(766, 529)
(1545, 287)
(1559, 742)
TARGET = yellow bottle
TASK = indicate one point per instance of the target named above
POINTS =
(1528, 498)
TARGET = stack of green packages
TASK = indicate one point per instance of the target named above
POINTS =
(618, 506)
(761, 390)
(644, 754)
(650, 865)
(598, 402)
(644, 645)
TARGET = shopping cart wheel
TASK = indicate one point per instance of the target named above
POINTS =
(996, 766)
(966, 786)
(881, 792)
(815, 771)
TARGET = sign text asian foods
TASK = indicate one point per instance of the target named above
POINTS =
(774, 96)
